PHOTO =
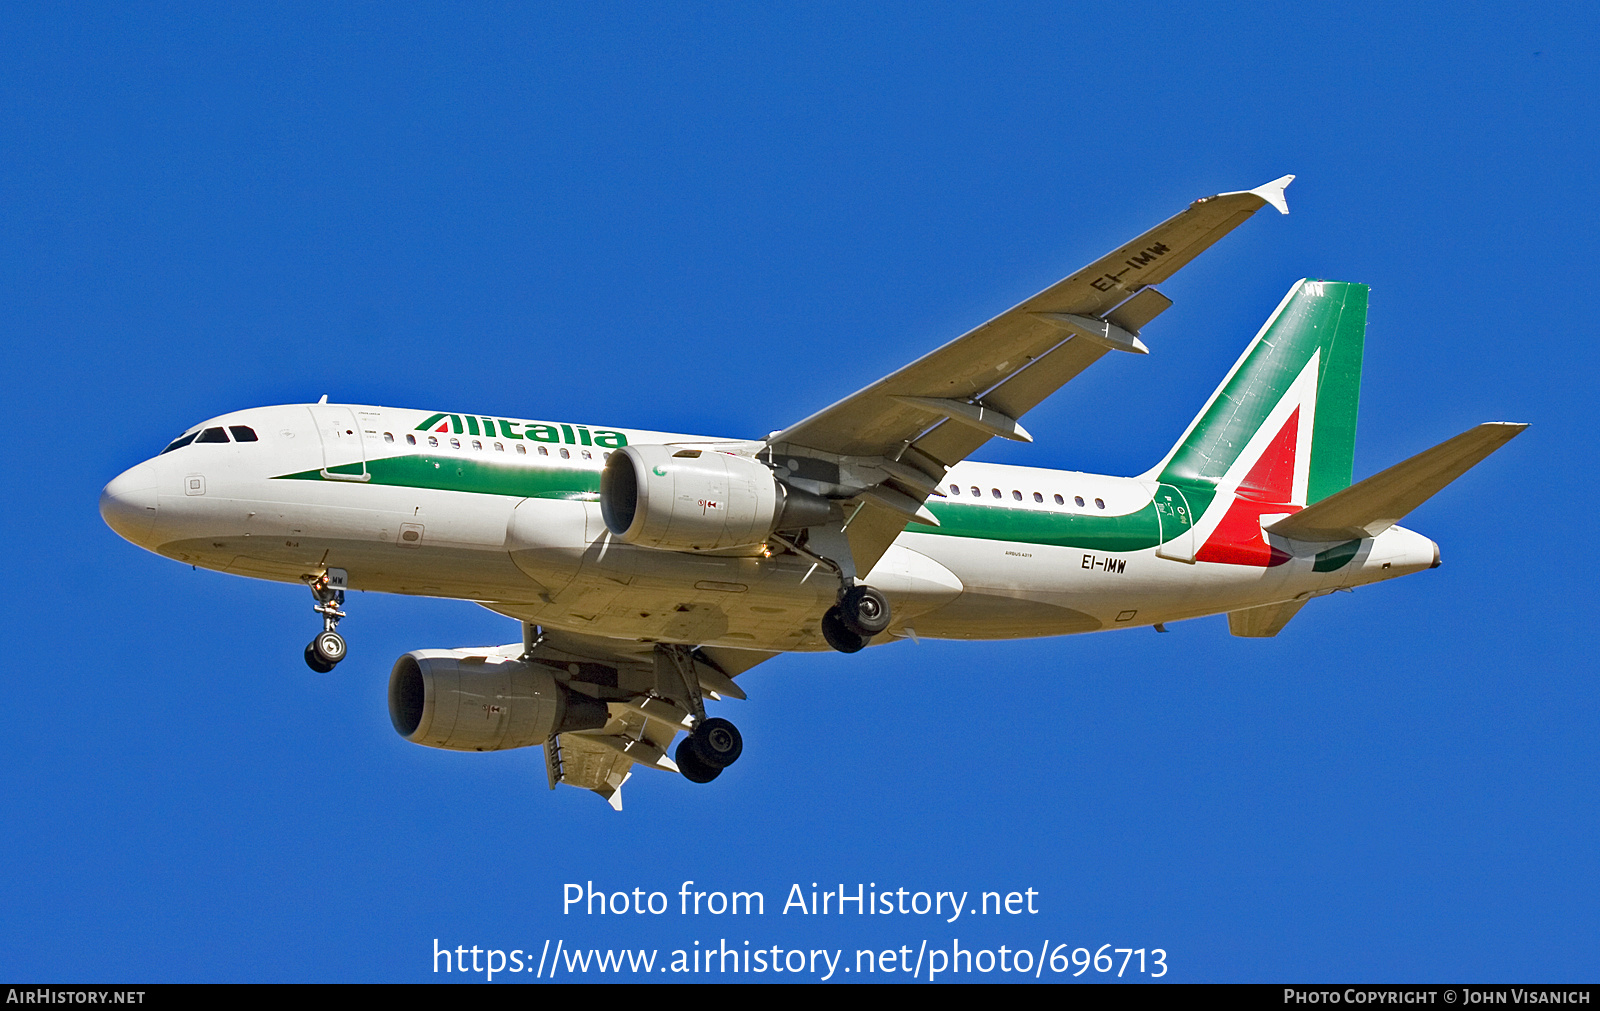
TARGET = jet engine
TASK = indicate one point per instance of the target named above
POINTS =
(696, 500)
(466, 701)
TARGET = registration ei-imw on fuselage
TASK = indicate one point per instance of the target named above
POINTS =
(649, 570)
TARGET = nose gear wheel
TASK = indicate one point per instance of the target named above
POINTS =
(329, 647)
(325, 651)
(313, 662)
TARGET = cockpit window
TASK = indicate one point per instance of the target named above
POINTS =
(212, 435)
(178, 443)
(243, 433)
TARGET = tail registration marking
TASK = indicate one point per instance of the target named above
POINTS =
(1105, 565)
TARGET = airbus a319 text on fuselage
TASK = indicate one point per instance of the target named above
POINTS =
(650, 569)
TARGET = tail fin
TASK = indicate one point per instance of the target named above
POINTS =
(1282, 426)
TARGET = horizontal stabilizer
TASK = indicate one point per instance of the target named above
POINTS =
(1370, 507)
(1263, 622)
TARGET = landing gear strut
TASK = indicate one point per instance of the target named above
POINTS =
(861, 612)
(328, 648)
(714, 743)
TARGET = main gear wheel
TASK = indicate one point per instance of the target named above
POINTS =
(717, 742)
(864, 610)
(693, 767)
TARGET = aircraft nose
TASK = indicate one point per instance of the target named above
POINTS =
(128, 503)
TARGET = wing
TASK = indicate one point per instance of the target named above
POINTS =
(916, 423)
(643, 721)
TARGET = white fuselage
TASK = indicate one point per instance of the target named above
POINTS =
(513, 521)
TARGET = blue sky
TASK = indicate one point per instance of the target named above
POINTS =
(719, 221)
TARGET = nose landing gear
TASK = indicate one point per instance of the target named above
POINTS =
(325, 651)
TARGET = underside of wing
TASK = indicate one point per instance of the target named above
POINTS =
(1265, 621)
(715, 666)
(579, 761)
(651, 693)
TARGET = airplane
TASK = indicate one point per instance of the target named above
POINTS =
(649, 570)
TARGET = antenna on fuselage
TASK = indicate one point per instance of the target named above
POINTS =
(324, 399)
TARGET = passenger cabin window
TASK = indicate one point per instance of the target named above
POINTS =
(586, 454)
(976, 493)
(411, 440)
(455, 443)
(1079, 500)
(212, 435)
(178, 443)
(521, 449)
(1099, 503)
(543, 451)
(432, 441)
(1037, 497)
(498, 448)
(955, 489)
(243, 433)
(388, 436)
(1060, 500)
(996, 492)
(476, 444)
(566, 455)
(1016, 495)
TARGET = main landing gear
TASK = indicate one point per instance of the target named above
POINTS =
(714, 745)
(325, 651)
(861, 613)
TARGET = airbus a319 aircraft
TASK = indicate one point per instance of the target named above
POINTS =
(650, 569)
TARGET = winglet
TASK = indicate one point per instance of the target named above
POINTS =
(1272, 193)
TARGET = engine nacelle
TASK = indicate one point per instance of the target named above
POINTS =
(695, 500)
(468, 701)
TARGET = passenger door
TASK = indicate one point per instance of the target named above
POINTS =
(344, 458)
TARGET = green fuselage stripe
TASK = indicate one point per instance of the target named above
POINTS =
(1092, 531)
(1130, 532)
(450, 473)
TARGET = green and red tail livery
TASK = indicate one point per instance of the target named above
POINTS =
(1279, 432)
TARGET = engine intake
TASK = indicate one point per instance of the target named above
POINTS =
(695, 500)
(465, 701)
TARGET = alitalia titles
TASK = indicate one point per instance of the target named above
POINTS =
(533, 431)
